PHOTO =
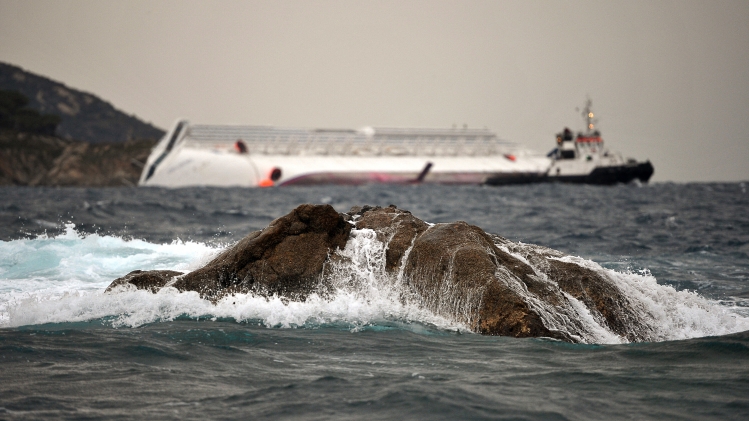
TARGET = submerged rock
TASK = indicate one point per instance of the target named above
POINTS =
(456, 270)
(152, 280)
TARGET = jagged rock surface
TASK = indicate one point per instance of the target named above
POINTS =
(456, 270)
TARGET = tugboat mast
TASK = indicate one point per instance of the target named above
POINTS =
(589, 117)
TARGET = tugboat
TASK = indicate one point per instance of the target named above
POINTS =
(583, 158)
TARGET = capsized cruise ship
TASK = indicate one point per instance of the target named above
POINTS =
(261, 156)
(256, 156)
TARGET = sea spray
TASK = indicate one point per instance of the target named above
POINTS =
(61, 279)
(570, 316)
(37, 272)
(365, 298)
(663, 312)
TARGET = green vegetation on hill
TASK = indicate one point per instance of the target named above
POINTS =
(15, 115)
(82, 116)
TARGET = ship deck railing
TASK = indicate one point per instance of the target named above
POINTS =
(373, 142)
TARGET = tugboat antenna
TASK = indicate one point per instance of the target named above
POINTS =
(589, 117)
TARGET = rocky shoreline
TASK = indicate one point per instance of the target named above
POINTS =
(487, 283)
(30, 159)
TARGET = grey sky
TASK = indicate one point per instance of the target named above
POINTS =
(669, 79)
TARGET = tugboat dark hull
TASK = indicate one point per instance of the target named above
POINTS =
(611, 175)
(516, 178)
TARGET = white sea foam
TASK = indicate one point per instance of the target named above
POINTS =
(46, 269)
(61, 279)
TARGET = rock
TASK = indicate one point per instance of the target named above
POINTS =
(456, 270)
(396, 228)
(152, 280)
(284, 259)
(452, 269)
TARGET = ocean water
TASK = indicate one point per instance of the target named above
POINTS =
(69, 351)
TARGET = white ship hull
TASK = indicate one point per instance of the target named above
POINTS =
(200, 162)
(193, 167)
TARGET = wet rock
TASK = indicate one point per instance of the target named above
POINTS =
(152, 280)
(395, 227)
(284, 259)
(456, 270)
(495, 286)
(601, 297)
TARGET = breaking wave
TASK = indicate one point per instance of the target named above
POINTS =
(61, 279)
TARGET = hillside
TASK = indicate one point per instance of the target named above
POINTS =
(83, 117)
